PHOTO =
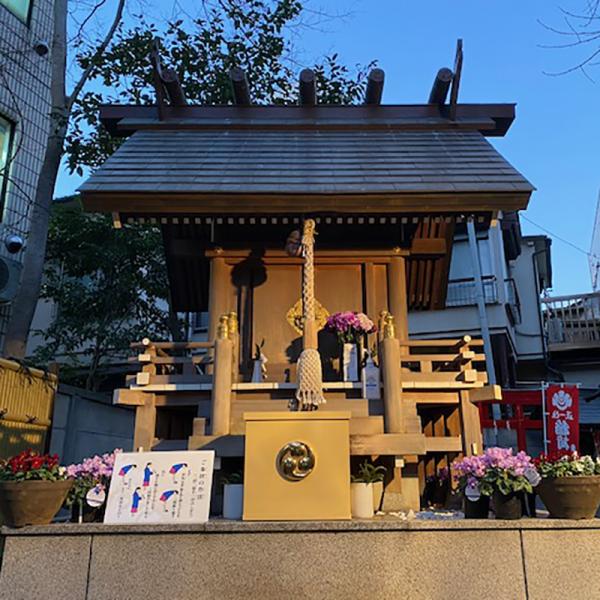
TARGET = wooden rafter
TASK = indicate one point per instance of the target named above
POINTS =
(458, 61)
(308, 88)
(440, 87)
(375, 86)
(166, 82)
(239, 84)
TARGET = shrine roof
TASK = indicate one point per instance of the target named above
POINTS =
(264, 158)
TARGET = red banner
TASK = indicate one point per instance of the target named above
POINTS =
(562, 406)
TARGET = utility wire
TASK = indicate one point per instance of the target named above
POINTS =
(558, 237)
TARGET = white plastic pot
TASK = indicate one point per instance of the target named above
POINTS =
(361, 496)
(233, 501)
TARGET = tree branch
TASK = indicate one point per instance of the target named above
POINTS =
(101, 48)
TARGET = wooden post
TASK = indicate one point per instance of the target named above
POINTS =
(472, 440)
(402, 490)
(398, 303)
(218, 298)
(145, 424)
(221, 392)
(392, 385)
(234, 336)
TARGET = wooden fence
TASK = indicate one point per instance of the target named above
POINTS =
(26, 403)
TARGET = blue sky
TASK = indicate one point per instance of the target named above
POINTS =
(555, 139)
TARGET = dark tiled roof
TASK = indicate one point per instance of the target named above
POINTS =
(306, 162)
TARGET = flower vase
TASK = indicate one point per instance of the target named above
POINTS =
(361, 495)
(32, 502)
(350, 362)
(477, 509)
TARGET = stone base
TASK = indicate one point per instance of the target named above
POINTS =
(380, 558)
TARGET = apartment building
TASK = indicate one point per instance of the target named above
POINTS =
(26, 29)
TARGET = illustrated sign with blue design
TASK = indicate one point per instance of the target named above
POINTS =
(160, 487)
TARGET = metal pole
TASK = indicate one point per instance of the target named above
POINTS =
(483, 320)
(544, 413)
(480, 298)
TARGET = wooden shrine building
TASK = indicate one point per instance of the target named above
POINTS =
(386, 186)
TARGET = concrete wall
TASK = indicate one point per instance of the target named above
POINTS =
(86, 423)
(537, 559)
(24, 100)
(528, 333)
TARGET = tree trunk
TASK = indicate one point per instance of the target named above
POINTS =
(25, 302)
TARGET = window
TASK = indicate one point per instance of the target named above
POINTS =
(6, 138)
(20, 8)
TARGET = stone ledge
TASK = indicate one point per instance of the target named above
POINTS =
(376, 524)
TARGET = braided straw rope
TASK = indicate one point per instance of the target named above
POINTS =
(309, 393)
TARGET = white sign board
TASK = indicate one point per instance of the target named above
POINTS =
(160, 487)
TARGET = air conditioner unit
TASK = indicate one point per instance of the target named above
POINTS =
(10, 273)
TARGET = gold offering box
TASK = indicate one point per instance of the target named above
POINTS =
(297, 466)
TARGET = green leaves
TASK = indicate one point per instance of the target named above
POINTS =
(109, 286)
(252, 34)
(369, 473)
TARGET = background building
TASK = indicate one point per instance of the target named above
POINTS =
(26, 29)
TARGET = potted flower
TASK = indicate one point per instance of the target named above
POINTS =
(507, 477)
(91, 480)
(350, 328)
(437, 487)
(32, 488)
(233, 496)
(570, 485)
(361, 489)
(468, 473)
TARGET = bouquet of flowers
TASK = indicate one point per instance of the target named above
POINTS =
(350, 326)
(497, 469)
(29, 465)
(566, 464)
(94, 472)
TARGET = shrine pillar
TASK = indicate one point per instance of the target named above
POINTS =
(397, 297)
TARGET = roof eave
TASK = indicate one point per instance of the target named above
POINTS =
(163, 203)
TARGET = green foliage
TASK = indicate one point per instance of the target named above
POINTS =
(369, 473)
(567, 465)
(503, 481)
(109, 286)
(232, 478)
(251, 34)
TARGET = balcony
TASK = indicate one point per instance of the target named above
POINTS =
(462, 292)
(572, 322)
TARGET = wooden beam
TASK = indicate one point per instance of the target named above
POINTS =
(145, 424)
(170, 203)
(393, 444)
(440, 87)
(374, 90)
(239, 84)
(308, 88)
(428, 246)
(444, 444)
(458, 61)
(488, 393)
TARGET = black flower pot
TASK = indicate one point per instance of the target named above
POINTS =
(477, 509)
(89, 514)
(507, 506)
